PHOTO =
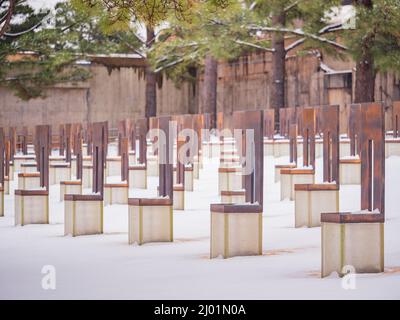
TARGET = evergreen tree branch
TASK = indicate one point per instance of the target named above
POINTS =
(249, 44)
(295, 44)
(324, 30)
(169, 65)
(9, 15)
(131, 47)
(291, 6)
(299, 33)
(17, 34)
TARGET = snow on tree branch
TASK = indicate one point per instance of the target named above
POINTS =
(324, 30)
(295, 44)
(34, 27)
(252, 5)
(139, 52)
(17, 34)
(299, 32)
(291, 6)
(168, 65)
(331, 27)
(254, 45)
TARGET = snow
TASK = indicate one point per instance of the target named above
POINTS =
(91, 193)
(38, 188)
(303, 168)
(25, 155)
(329, 70)
(83, 62)
(60, 164)
(30, 163)
(114, 180)
(328, 183)
(375, 211)
(356, 157)
(391, 138)
(105, 266)
(342, 15)
(117, 55)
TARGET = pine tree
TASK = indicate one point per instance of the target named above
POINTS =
(282, 19)
(239, 28)
(49, 51)
(17, 17)
(374, 43)
(121, 15)
(17, 20)
(212, 32)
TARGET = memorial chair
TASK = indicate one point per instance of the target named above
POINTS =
(32, 205)
(312, 199)
(305, 174)
(151, 219)
(83, 213)
(236, 229)
(350, 167)
(138, 172)
(357, 238)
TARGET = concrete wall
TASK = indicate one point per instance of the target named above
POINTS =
(111, 94)
(114, 94)
(61, 105)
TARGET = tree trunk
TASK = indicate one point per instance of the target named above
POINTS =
(210, 89)
(277, 95)
(365, 79)
(151, 82)
(365, 73)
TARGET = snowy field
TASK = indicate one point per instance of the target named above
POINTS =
(106, 267)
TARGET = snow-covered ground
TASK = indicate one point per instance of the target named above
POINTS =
(106, 267)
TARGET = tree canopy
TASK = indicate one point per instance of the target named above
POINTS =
(241, 27)
(379, 25)
(187, 32)
(48, 54)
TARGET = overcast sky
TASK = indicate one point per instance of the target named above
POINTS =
(340, 14)
(38, 4)
(48, 4)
